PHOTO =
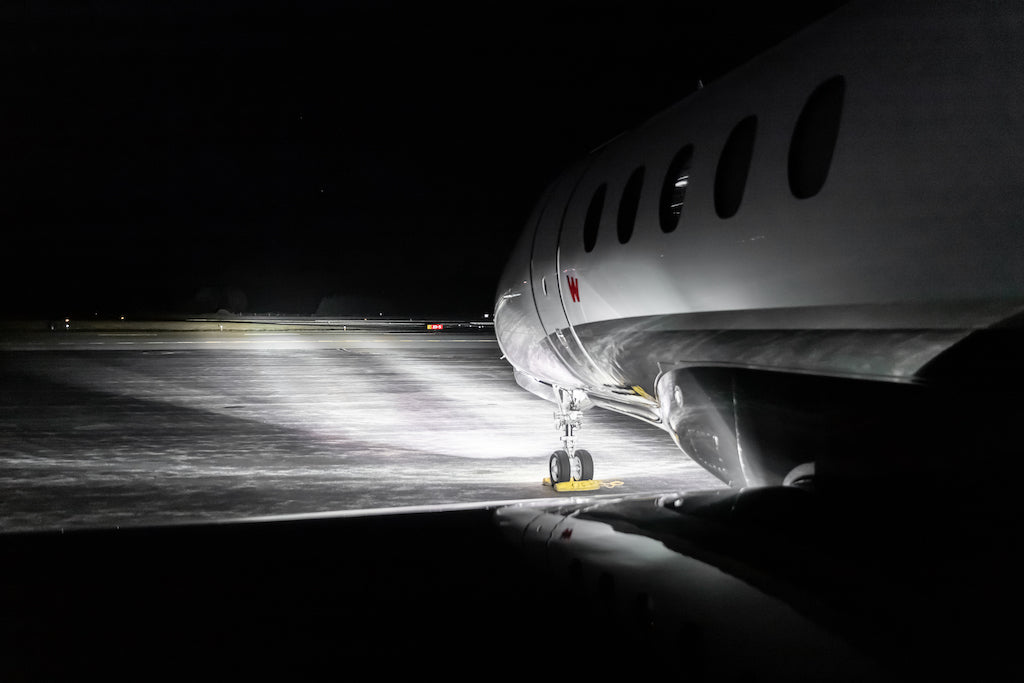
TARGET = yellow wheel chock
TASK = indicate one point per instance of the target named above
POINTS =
(584, 485)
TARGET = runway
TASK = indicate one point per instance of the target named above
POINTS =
(304, 500)
(132, 424)
(307, 502)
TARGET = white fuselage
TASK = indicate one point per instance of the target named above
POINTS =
(853, 208)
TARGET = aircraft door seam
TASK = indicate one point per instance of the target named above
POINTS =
(558, 272)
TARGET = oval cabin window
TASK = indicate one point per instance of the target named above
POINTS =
(673, 191)
(593, 220)
(628, 205)
(814, 138)
(733, 167)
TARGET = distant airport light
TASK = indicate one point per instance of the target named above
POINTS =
(435, 326)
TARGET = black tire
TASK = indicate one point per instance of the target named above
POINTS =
(586, 465)
(559, 467)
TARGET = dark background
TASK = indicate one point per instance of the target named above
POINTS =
(313, 156)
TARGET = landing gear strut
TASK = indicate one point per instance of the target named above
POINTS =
(568, 463)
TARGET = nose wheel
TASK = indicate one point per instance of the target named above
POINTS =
(564, 467)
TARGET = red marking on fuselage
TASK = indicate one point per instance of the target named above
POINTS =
(574, 287)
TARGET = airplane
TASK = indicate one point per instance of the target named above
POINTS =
(810, 272)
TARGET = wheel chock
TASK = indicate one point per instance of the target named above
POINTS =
(585, 485)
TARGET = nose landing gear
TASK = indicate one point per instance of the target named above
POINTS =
(569, 464)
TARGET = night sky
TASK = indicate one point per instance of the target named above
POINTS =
(351, 157)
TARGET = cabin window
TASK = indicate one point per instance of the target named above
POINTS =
(593, 220)
(733, 167)
(814, 138)
(673, 191)
(628, 205)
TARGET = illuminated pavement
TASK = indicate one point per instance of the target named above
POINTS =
(127, 429)
(138, 427)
